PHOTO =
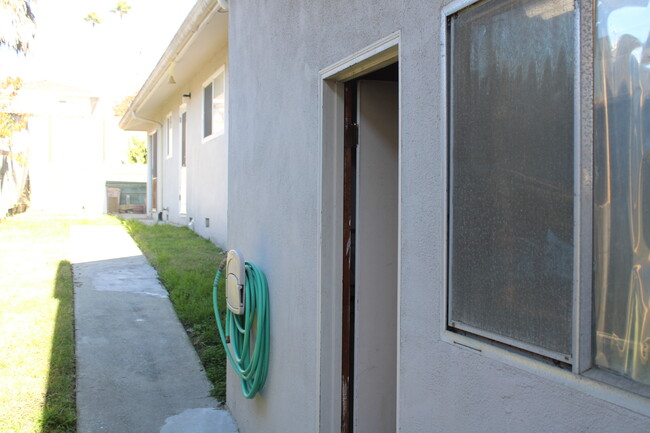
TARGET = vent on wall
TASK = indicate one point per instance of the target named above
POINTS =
(207, 222)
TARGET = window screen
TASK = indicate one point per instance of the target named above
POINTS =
(511, 172)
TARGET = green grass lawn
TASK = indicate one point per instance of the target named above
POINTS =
(37, 367)
(186, 264)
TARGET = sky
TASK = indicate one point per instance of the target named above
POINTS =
(111, 59)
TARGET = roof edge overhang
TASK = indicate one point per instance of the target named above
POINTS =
(201, 13)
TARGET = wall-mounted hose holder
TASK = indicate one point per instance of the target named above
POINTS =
(246, 326)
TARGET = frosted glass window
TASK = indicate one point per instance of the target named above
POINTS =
(511, 69)
(622, 189)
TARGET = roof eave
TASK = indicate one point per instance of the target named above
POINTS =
(199, 14)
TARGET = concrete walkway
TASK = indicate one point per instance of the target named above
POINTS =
(137, 371)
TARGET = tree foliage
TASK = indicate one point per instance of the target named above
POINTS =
(120, 107)
(10, 122)
(17, 25)
(121, 8)
(137, 151)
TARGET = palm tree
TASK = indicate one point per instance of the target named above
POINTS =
(93, 18)
(122, 8)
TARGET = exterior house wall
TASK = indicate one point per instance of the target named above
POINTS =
(66, 170)
(207, 173)
(275, 58)
(207, 177)
(74, 146)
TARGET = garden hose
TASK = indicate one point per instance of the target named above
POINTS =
(251, 367)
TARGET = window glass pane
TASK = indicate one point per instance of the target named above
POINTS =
(207, 110)
(622, 188)
(511, 172)
(218, 104)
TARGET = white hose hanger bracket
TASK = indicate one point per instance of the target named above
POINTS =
(235, 282)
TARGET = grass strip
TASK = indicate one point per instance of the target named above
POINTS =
(186, 264)
(37, 366)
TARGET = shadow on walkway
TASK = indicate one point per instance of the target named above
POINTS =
(59, 414)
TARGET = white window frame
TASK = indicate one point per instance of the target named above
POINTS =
(211, 80)
(169, 136)
(582, 375)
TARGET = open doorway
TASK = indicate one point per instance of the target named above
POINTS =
(370, 252)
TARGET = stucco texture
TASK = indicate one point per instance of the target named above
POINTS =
(276, 52)
(207, 160)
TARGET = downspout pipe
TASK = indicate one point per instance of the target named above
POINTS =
(142, 119)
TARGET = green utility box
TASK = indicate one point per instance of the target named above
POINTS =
(126, 197)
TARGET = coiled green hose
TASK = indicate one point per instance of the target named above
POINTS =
(251, 368)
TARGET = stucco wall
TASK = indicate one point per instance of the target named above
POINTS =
(207, 161)
(276, 53)
(208, 180)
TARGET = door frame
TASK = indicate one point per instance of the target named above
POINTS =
(182, 158)
(330, 222)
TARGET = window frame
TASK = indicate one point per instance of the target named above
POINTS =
(580, 359)
(182, 160)
(206, 83)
